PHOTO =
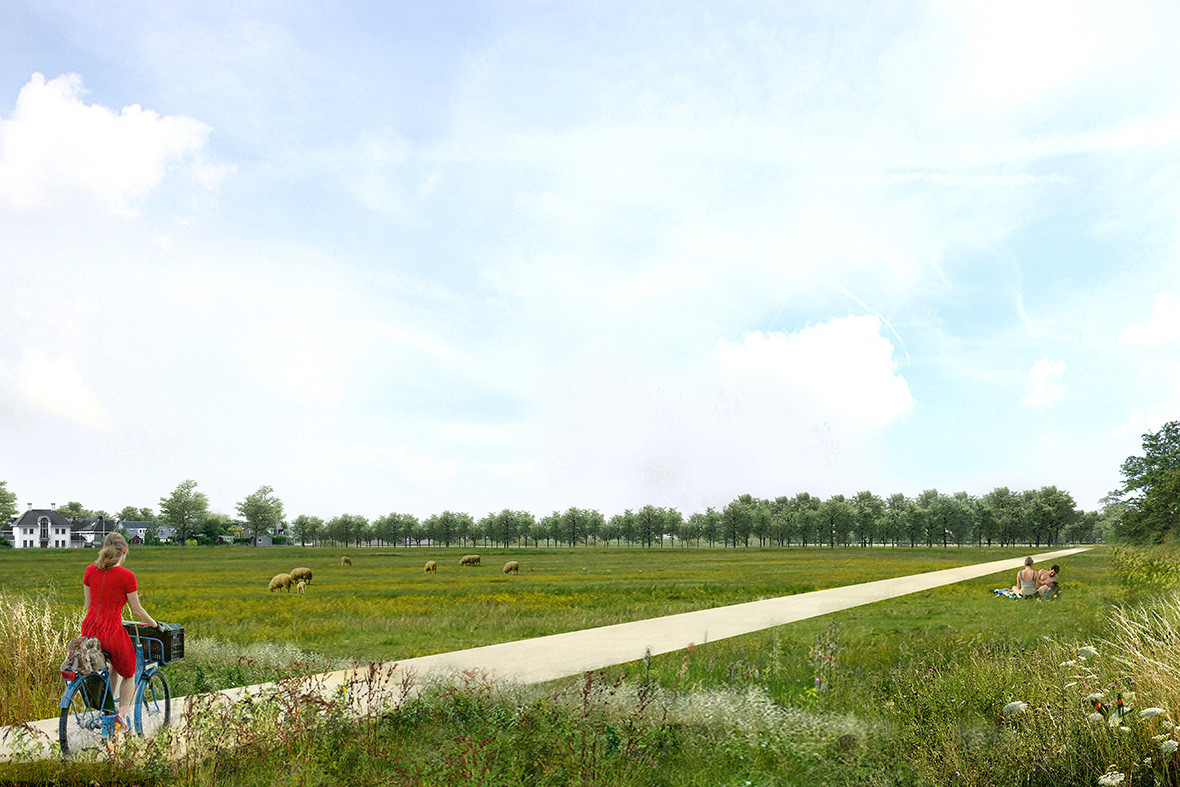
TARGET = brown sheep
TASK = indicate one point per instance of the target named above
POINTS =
(512, 567)
(345, 561)
(299, 587)
(431, 567)
(281, 581)
(469, 560)
(301, 574)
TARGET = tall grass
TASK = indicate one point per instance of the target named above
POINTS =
(35, 636)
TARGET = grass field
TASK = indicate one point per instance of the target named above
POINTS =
(385, 607)
(912, 689)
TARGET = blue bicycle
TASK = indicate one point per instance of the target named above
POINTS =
(88, 710)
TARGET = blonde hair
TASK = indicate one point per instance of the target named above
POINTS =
(113, 547)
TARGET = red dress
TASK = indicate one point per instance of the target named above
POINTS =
(104, 619)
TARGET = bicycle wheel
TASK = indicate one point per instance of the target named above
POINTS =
(79, 727)
(153, 704)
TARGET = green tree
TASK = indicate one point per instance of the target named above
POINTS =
(212, 528)
(74, 510)
(306, 528)
(263, 512)
(185, 508)
(838, 518)
(133, 514)
(8, 507)
(870, 517)
(1151, 489)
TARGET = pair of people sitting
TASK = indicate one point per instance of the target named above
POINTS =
(1030, 582)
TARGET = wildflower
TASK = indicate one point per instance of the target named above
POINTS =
(1110, 779)
(1124, 729)
(1095, 716)
(1015, 707)
(1159, 738)
(1167, 725)
(1096, 697)
(1169, 747)
(1069, 663)
(1087, 652)
(1150, 713)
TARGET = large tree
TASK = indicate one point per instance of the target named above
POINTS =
(184, 509)
(1151, 488)
(262, 510)
(8, 507)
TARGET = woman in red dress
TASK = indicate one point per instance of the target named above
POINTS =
(107, 587)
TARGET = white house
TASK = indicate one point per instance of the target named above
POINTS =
(41, 528)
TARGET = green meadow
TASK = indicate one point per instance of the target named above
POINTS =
(914, 690)
(386, 607)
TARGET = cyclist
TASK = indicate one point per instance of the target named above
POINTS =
(106, 588)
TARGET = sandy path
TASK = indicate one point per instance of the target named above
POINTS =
(560, 655)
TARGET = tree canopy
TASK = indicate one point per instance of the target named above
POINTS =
(8, 507)
(184, 509)
(1151, 489)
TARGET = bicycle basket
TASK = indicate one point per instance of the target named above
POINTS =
(163, 644)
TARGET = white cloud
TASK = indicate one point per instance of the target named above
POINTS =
(55, 386)
(841, 370)
(1044, 381)
(1162, 328)
(56, 147)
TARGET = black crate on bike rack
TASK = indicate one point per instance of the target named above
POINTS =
(163, 644)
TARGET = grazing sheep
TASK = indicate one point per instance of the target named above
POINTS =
(299, 587)
(469, 560)
(431, 567)
(512, 567)
(345, 561)
(281, 581)
(301, 574)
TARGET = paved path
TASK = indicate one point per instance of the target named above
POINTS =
(560, 655)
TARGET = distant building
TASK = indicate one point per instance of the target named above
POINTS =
(41, 528)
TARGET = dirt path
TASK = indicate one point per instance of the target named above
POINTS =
(561, 655)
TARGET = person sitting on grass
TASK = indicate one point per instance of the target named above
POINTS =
(1026, 580)
(1047, 580)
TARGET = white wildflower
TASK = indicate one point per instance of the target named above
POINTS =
(1167, 725)
(1087, 652)
(1095, 716)
(1110, 779)
(1169, 747)
(1015, 707)
(1068, 663)
(1124, 729)
(1151, 713)
(1159, 738)
(1096, 697)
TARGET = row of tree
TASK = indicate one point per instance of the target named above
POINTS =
(1002, 517)
(1145, 510)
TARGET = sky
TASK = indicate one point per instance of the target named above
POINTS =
(415, 257)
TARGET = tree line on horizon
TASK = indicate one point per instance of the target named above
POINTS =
(1145, 510)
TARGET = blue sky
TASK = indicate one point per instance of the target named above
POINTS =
(415, 257)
